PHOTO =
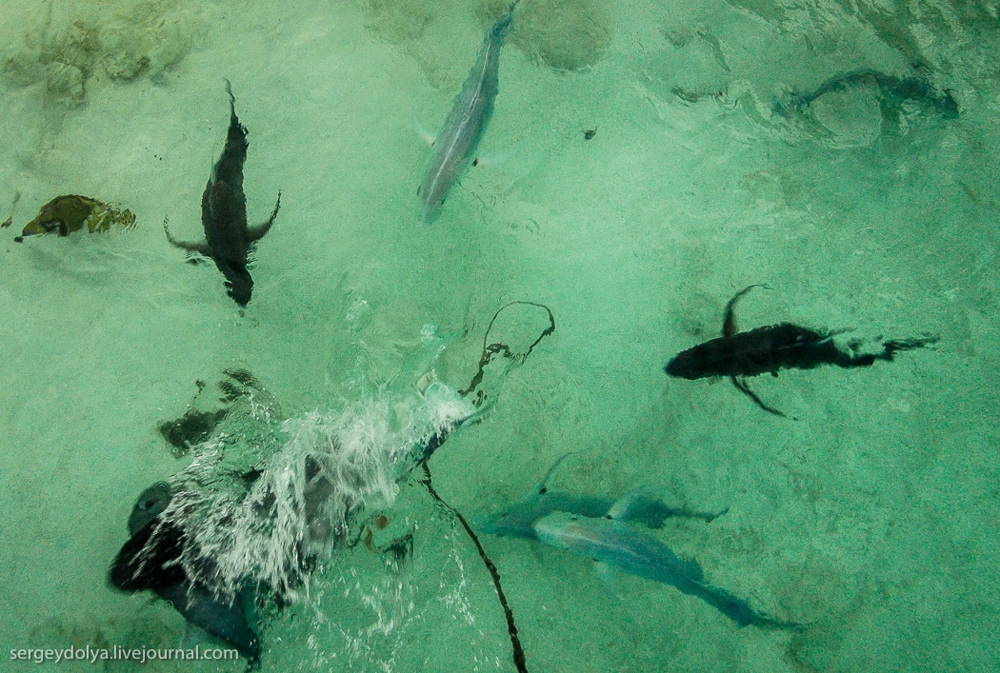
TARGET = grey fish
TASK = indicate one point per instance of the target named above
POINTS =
(614, 544)
(641, 505)
(466, 122)
(228, 239)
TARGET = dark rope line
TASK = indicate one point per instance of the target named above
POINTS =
(515, 642)
(492, 349)
(489, 351)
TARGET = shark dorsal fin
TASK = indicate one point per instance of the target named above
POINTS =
(620, 509)
(543, 486)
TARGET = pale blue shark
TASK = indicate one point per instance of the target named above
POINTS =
(614, 544)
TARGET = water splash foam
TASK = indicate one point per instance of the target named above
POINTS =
(330, 467)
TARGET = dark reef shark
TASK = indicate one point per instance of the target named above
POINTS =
(641, 505)
(228, 239)
(771, 348)
(140, 566)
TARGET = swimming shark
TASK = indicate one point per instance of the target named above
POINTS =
(768, 349)
(228, 239)
(614, 544)
(641, 505)
(141, 566)
(467, 120)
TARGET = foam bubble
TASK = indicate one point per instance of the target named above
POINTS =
(330, 466)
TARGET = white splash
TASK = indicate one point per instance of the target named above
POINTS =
(329, 467)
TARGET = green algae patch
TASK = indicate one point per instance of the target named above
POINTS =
(66, 214)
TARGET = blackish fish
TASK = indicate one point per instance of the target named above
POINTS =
(642, 505)
(228, 239)
(469, 115)
(894, 92)
(766, 350)
(150, 560)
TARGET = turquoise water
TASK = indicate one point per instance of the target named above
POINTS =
(872, 519)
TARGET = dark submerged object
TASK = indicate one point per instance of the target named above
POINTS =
(228, 239)
(195, 426)
(190, 429)
(771, 348)
(894, 90)
(139, 566)
(66, 214)
(639, 505)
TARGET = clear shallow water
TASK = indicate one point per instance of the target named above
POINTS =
(872, 518)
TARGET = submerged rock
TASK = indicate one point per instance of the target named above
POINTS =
(66, 214)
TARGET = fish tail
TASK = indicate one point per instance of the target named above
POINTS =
(890, 348)
(731, 606)
(738, 609)
(502, 25)
(229, 90)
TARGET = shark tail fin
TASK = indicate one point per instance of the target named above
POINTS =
(740, 611)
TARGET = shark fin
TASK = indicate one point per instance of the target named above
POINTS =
(227, 621)
(257, 233)
(200, 247)
(543, 486)
(606, 575)
(475, 416)
(635, 500)
(489, 159)
(424, 134)
(195, 636)
(644, 505)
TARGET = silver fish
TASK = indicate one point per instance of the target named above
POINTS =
(617, 545)
(465, 124)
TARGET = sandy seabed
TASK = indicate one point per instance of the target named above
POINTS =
(872, 519)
